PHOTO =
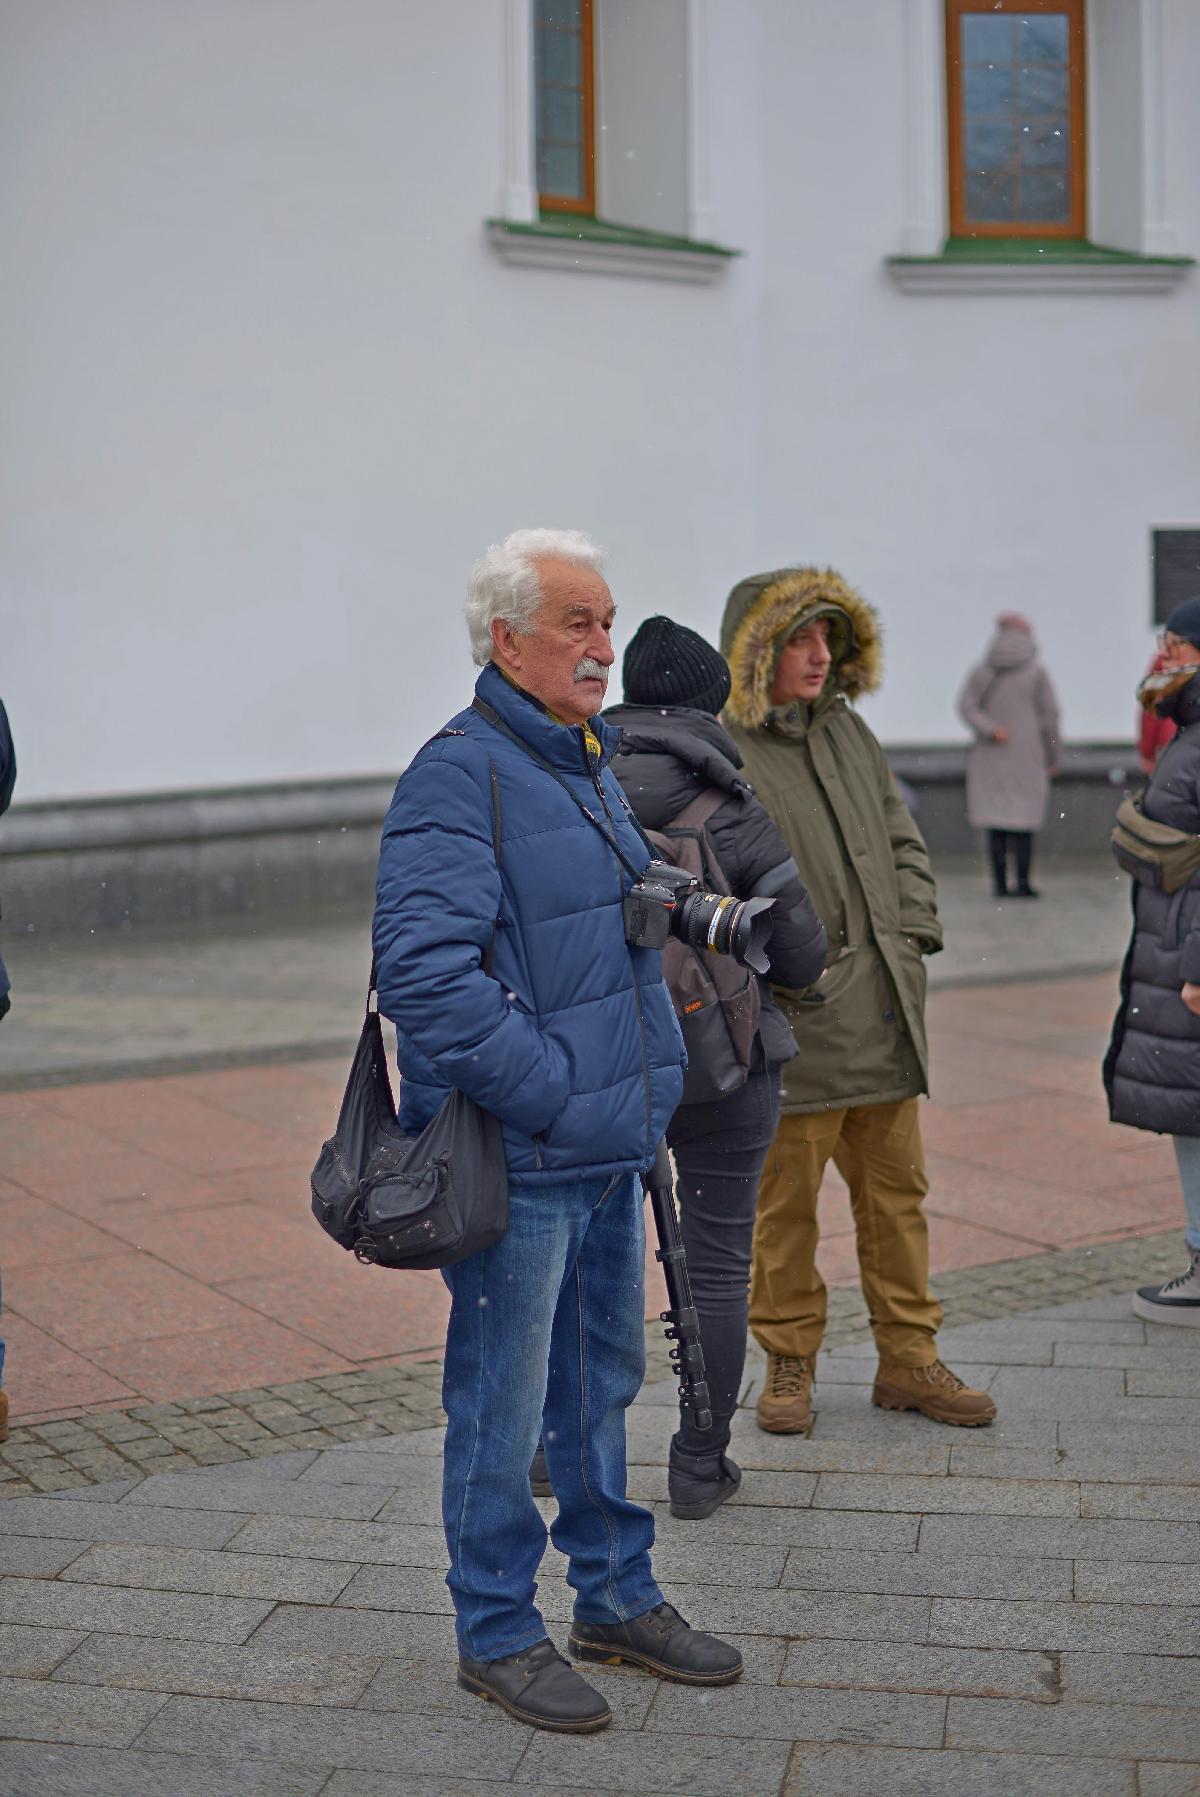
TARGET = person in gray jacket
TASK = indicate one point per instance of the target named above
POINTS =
(1009, 704)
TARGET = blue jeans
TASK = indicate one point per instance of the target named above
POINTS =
(546, 1335)
(1187, 1159)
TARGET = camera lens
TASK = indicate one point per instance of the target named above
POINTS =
(727, 926)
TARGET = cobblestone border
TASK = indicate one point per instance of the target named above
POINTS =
(319, 1413)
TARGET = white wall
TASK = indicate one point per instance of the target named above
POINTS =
(956, 455)
(268, 390)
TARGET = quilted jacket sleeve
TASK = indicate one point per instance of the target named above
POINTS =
(756, 862)
(437, 902)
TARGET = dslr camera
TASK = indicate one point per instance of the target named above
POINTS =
(667, 901)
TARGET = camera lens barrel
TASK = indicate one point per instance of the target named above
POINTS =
(726, 926)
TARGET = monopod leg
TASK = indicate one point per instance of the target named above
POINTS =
(683, 1325)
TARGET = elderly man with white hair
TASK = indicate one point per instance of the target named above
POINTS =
(509, 834)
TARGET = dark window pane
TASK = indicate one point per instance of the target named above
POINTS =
(1044, 37)
(560, 114)
(987, 89)
(563, 13)
(1041, 91)
(558, 58)
(1046, 199)
(1045, 146)
(989, 146)
(987, 38)
(560, 172)
(991, 199)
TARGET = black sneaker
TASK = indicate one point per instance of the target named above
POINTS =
(538, 1687)
(1176, 1302)
(662, 1642)
(539, 1474)
(698, 1483)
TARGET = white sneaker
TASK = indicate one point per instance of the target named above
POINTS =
(1176, 1302)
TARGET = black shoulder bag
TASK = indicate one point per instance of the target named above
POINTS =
(411, 1201)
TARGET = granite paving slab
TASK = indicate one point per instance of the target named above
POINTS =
(920, 1612)
(878, 1772)
(33, 1770)
(198, 1669)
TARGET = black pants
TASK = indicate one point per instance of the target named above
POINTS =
(1021, 844)
(720, 1150)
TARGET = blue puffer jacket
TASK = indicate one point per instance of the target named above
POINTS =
(573, 1042)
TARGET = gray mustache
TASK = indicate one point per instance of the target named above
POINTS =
(589, 669)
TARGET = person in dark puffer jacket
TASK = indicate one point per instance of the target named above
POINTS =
(672, 749)
(1152, 1070)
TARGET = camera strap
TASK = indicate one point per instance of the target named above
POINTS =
(497, 722)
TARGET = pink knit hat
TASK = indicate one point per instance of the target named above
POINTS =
(1014, 620)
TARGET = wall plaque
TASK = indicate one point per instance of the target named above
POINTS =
(1175, 569)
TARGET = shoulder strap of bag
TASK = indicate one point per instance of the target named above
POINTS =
(490, 955)
(497, 722)
(697, 814)
(690, 823)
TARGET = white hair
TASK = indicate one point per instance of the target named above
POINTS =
(503, 583)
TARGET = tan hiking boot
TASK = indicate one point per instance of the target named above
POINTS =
(933, 1390)
(785, 1405)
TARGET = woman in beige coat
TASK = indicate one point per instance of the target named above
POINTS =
(1010, 705)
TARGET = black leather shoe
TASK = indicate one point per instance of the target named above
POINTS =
(538, 1687)
(539, 1474)
(698, 1483)
(662, 1642)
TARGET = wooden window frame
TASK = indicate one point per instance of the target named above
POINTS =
(960, 225)
(549, 202)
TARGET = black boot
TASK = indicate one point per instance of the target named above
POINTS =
(998, 855)
(538, 1687)
(698, 1483)
(662, 1642)
(539, 1474)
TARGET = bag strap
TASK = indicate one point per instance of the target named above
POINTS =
(490, 955)
(497, 722)
(697, 814)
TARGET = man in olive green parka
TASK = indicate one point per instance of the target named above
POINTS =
(801, 645)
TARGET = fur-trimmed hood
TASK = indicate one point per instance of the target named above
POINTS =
(764, 610)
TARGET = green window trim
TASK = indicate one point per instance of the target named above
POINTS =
(595, 230)
(1076, 251)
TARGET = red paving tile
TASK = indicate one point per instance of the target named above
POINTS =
(185, 1131)
(40, 1374)
(361, 1312)
(87, 1182)
(35, 1233)
(223, 1248)
(207, 1175)
(1052, 1215)
(122, 1297)
(254, 1351)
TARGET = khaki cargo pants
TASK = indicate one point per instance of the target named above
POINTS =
(877, 1150)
